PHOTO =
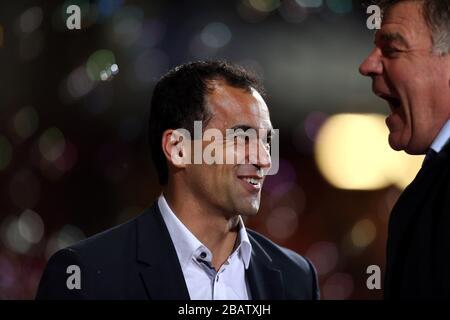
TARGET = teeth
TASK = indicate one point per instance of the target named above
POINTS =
(253, 181)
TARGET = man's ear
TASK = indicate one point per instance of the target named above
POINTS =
(175, 146)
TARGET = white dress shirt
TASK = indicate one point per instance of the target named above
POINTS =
(442, 138)
(202, 280)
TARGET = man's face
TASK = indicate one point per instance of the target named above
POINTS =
(233, 188)
(410, 77)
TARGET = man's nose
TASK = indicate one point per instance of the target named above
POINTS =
(372, 65)
(263, 158)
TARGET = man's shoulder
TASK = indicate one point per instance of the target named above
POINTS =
(297, 271)
(111, 248)
(281, 256)
(115, 239)
(106, 262)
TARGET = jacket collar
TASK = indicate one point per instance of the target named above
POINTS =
(264, 279)
(162, 274)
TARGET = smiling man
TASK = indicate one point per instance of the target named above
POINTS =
(192, 243)
(410, 69)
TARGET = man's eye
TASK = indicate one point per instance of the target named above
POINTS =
(390, 51)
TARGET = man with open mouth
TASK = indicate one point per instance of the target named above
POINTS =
(410, 69)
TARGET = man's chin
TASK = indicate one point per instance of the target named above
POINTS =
(395, 146)
(250, 209)
(395, 141)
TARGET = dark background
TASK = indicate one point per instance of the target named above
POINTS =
(74, 158)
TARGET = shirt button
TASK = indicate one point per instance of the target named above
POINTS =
(203, 255)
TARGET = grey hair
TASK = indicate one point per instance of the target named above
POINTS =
(437, 16)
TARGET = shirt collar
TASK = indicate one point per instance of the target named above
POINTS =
(188, 246)
(244, 246)
(442, 138)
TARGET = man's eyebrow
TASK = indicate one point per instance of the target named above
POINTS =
(243, 127)
(392, 37)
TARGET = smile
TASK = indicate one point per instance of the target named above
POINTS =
(251, 183)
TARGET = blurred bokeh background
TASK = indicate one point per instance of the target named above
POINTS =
(74, 105)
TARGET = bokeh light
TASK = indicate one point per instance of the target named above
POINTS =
(68, 159)
(79, 83)
(216, 35)
(11, 236)
(286, 174)
(339, 286)
(7, 275)
(282, 222)
(68, 235)
(52, 144)
(107, 8)
(249, 13)
(101, 65)
(314, 120)
(324, 255)
(30, 19)
(265, 5)
(288, 194)
(310, 3)
(127, 25)
(363, 233)
(25, 122)
(31, 226)
(352, 152)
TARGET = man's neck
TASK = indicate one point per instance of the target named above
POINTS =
(442, 137)
(210, 226)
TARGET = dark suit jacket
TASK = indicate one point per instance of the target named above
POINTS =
(418, 248)
(137, 260)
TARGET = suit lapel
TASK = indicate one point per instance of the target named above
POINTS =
(265, 281)
(161, 271)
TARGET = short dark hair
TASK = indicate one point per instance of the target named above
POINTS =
(179, 100)
(437, 16)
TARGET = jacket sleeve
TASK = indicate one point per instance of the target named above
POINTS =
(64, 278)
